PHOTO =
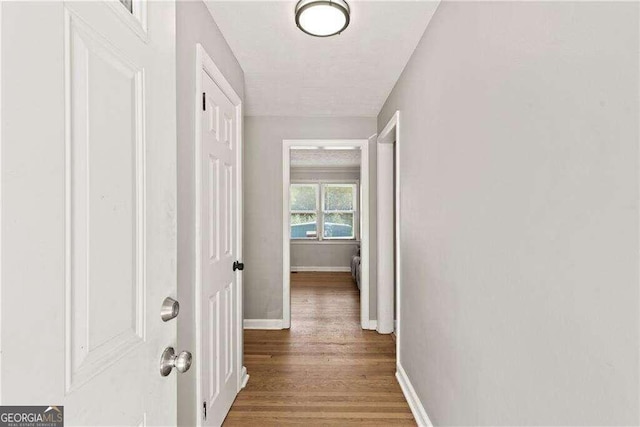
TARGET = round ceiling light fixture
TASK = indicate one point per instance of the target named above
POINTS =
(322, 18)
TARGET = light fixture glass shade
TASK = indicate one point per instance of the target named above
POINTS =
(322, 18)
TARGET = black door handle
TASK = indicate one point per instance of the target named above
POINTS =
(238, 266)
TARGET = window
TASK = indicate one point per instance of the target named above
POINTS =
(324, 211)
(304, 211)
(338, 211)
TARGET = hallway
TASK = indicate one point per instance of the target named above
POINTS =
(325, 369)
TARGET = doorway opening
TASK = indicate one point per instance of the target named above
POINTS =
(326, 215)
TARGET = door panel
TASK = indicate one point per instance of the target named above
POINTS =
(214, 217)
(88, 212)
(220, 358)
(105, 243)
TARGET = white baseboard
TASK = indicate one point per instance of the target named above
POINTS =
(373, 325)
(417, 409)
(321, 269)
(263, 324)
(244, 378)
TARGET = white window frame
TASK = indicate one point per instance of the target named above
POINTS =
(320, 211)
(354, 211)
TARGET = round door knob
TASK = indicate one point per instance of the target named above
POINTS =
(169, 360)
(183, 361)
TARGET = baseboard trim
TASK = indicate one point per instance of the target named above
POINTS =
(418, 411)
(373, 325)
(321, 269)
(244, 377)
(263, 324)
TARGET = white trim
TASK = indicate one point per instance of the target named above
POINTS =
(390, 135)
(263, 324)
(336, 269)
(136, 20)
(325, 242)
(373, 325)
(417, 409)
(325, 169)
(245, 377)
(385, 243)
(363, 144)
(386, 137)
(322, 181)
(286, 244)
(205, 63)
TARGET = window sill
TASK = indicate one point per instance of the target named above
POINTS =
(324, 242)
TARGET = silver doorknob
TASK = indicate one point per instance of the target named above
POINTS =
(170, 309)
(169, 360)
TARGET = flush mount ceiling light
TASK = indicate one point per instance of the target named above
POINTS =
(322, 18)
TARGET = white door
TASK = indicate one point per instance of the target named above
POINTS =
(88, 208)
(219, 288)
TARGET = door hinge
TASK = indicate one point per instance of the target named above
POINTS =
(204, 101)
(204, 411)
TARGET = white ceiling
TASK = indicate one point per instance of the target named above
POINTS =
(289, 73)
(325, 158)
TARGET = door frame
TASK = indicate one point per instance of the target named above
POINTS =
(206, 64)
(363, 144)
(391, 135)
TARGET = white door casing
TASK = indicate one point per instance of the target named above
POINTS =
(390, 136)
(385, 243)
(219, 290)
(88, 209)
(363, 145)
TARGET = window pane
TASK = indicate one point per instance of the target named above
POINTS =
(304, 225)
(338, 198)
(303, 198)
(338, 225)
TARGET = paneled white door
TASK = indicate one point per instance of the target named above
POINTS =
(88, 208)
(218, 218)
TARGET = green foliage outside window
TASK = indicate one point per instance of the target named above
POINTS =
(303, 198)
(338, 198)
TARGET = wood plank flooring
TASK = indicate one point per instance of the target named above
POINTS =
(325, 370)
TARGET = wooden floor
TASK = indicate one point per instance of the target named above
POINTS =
(325, 370)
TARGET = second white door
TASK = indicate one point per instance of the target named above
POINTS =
(220, 362)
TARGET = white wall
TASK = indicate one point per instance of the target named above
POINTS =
(263, 199)
(519, 226)
(194, 25)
